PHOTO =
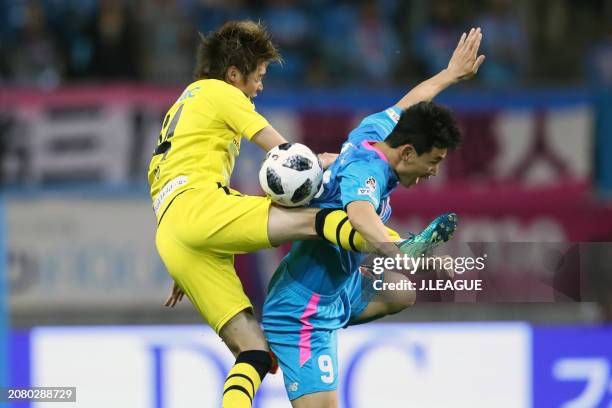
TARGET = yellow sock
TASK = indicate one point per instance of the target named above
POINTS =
(240, 386)
(334, 226)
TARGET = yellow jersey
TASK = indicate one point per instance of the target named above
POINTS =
(200, 139)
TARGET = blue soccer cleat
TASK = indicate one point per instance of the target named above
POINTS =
(437, 232)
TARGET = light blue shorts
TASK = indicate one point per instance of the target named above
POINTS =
(301, 328)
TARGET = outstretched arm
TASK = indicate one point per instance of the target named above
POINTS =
(464, 64)
(268, 138)
(363, 218)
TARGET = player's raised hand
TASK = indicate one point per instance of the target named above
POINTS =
(465, 60)
(175, 296)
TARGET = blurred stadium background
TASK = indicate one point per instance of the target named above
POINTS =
(83, 88)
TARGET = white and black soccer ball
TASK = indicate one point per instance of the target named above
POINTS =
(291, 174)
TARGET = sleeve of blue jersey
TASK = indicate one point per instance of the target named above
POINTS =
(361, 181)
(383, 122)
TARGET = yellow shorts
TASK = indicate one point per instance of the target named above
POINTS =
(197, 238)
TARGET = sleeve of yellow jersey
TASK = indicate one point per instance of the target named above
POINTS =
(239, 113)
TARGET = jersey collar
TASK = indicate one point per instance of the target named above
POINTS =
(369, 145)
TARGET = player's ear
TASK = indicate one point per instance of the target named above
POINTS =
(232, 75)
(407, 152)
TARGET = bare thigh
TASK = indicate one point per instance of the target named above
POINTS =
(291, 224)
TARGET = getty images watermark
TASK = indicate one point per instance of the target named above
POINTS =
(495, 272)
(405, 264)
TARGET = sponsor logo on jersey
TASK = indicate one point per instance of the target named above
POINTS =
(234, 146)
(368, 192)
(167, 190)
(293, 387)
(369, 189)
(393, 115)
(371, 183)
(188, 93)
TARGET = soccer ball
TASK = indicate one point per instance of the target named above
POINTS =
(291, 174)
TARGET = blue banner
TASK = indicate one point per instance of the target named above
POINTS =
(176, 366)
(572, 367)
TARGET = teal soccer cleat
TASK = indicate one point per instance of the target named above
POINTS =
(437, 232)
